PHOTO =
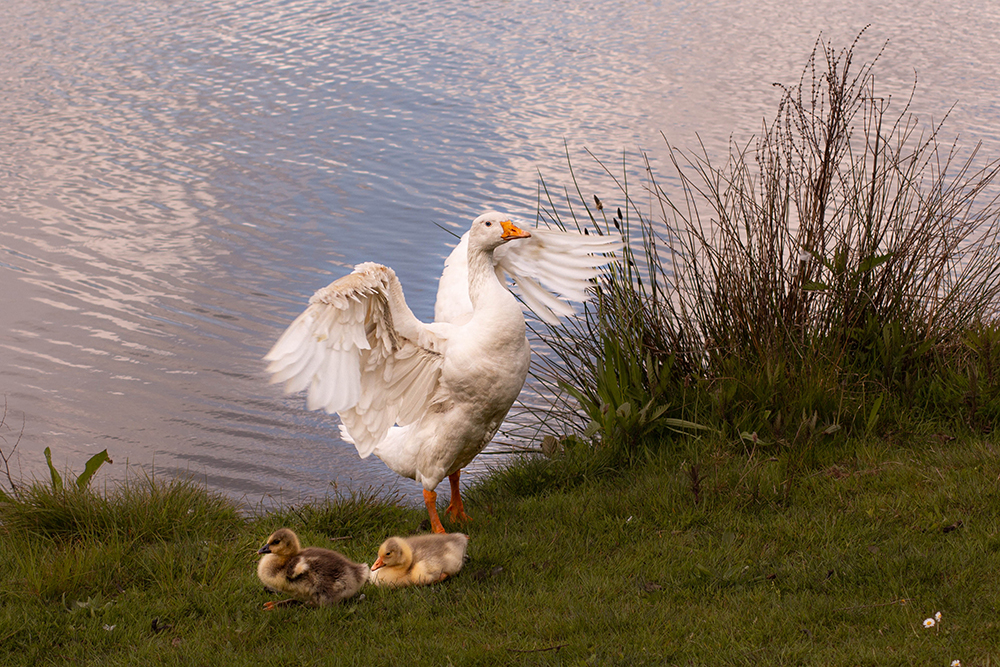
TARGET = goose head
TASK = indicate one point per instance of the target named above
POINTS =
(283, 543)
(394, 552)
(491, 230)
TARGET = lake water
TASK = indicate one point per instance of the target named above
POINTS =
(177, 178)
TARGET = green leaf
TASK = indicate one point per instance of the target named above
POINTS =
(656, 413)
(822, 260)
(592, 409)
(870, 262)
(683, 423)
(56, 478)
(95, 462)
(840, 261)
(873, 415)
(815, 286)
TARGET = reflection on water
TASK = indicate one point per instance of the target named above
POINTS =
(176, 180)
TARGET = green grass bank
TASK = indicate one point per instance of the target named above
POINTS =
(646, 565)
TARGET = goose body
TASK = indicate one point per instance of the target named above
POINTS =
(316, 576)
(419, 560)
(427, 398)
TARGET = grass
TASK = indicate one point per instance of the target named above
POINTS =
(646, 565)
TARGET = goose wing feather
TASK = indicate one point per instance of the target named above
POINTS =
(359, 351)
(550, 269)
(453, 303)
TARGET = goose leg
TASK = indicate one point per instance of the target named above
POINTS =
(455, 508)
(430, 499)
(274, 604)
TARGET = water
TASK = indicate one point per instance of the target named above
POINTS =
(177, 179)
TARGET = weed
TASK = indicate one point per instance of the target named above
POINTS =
(834, 266)
(91, 467)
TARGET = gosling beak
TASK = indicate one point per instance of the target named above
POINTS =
(264, 550)
(510, 231)
(377, 564)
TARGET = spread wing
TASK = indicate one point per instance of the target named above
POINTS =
(453, 303)
(550, 268)
(359, 351)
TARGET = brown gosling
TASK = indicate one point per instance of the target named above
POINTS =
(318, 577)
(419, 560)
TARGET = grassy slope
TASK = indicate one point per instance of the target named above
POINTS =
(625, 569)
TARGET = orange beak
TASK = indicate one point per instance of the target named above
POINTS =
(510, 231)
(377, 564)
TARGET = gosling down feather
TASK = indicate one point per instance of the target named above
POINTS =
(316, 576)
(427, 398)
(419, 560)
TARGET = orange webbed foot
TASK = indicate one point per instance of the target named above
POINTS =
(457, 513)
(430, 499)
(274, 604)
(456, 509)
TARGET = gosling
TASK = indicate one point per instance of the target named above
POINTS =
(315, 576)
(419, 560)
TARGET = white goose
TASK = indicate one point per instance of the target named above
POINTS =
(427, 398)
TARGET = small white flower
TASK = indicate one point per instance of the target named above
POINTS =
(109, 628)
(956, 663)
(929, 622)
(937, 616)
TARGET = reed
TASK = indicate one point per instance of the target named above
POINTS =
(844, 261)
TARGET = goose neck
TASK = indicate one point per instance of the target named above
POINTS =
(482, 276)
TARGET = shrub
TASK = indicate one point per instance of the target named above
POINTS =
(835, 265)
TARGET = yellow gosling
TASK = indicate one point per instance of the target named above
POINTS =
(419, 560)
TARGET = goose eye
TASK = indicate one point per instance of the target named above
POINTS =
(489, 224)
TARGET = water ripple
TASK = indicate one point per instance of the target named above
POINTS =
(176, 180)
